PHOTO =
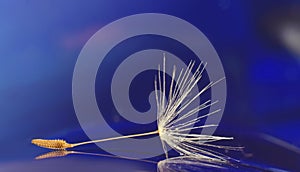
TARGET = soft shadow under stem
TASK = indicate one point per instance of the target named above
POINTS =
(62, 153)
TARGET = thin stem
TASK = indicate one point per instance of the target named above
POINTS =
(115, 138)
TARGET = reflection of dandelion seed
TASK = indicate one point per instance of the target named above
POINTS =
(62, 153)
(54, 154)
(190, 163)
(173, 122)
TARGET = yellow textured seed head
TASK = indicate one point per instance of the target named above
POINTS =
(52, 144)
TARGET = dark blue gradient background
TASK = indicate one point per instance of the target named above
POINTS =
(40, 42)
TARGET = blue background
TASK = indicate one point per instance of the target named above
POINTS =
(41, 40)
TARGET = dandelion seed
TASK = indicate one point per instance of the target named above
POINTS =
(172, 120)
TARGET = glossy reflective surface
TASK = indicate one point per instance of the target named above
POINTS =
(40, 42)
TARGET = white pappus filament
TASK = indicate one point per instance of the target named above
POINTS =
(173, 113)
